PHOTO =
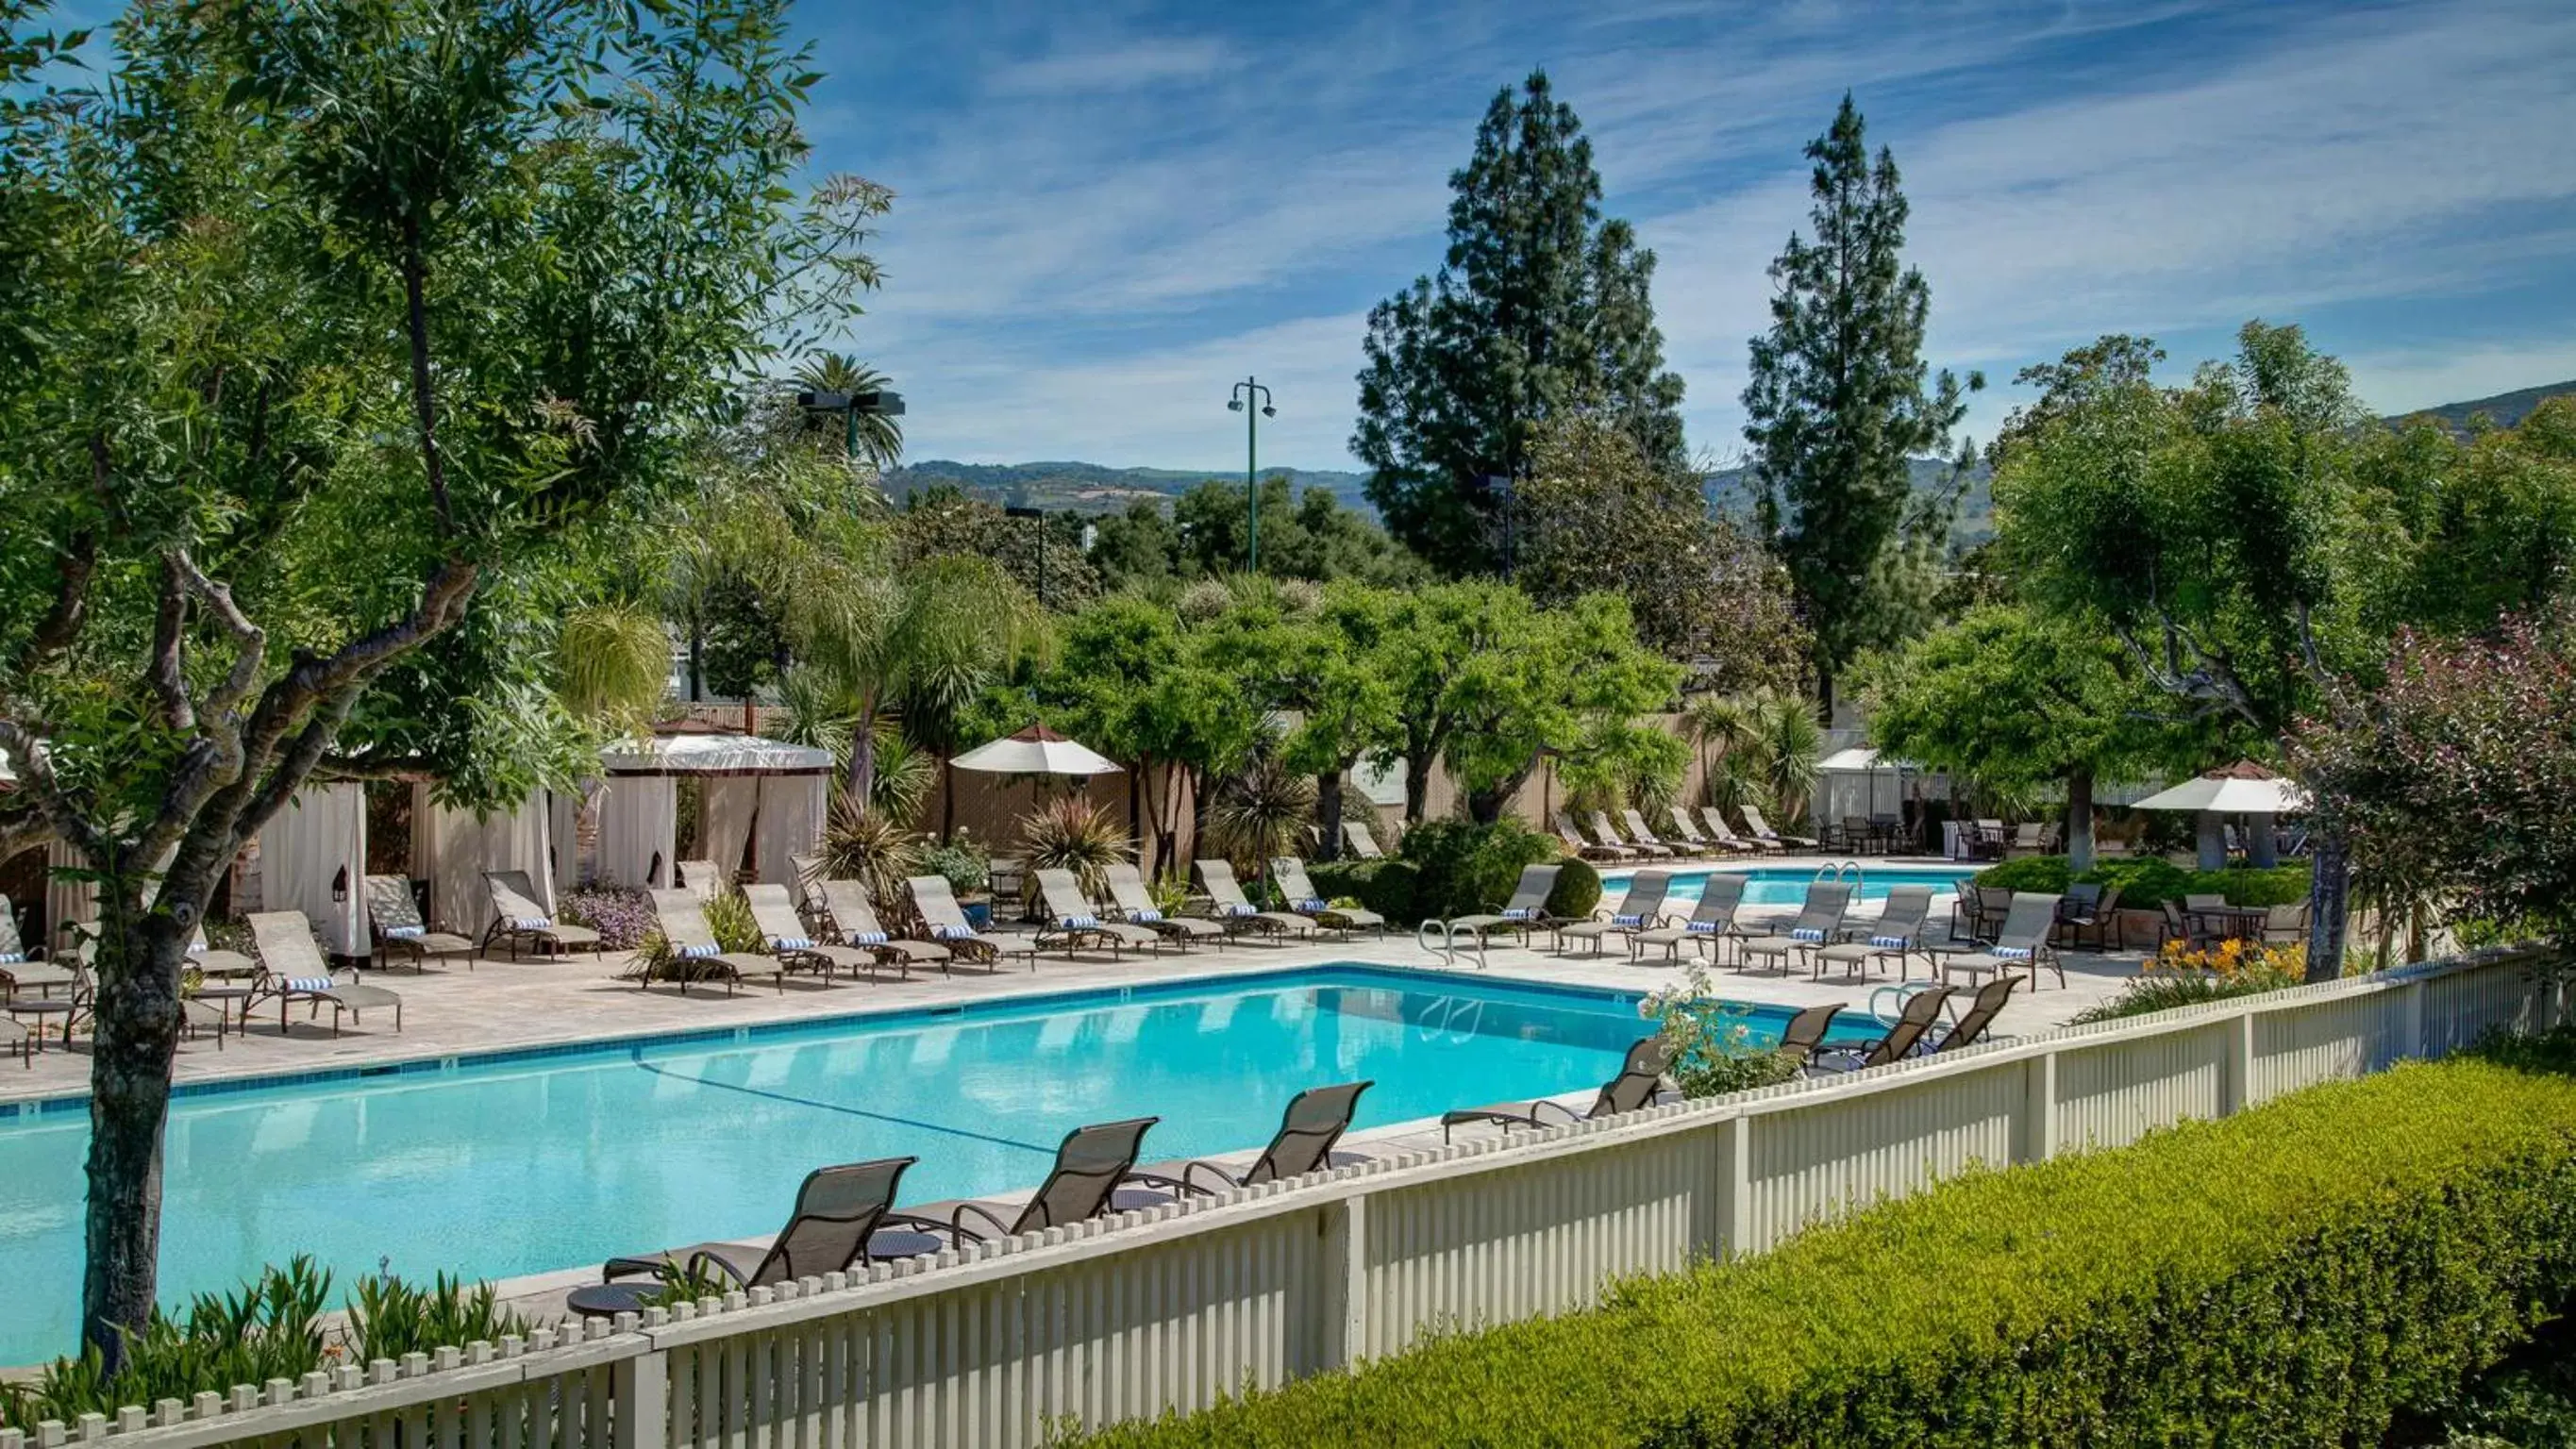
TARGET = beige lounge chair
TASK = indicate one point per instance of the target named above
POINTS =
(292, 970)
(1525, 912)
(701, 877)
(1607, 835)
(698, 954)
(1289, 874)
(1362, 843)
(1076, 920)
(524, 920)
(1641, 909)
(1819, 924)
(1136, 907)
(207, 960)
(1591, 850)
(2020, 944)
(854, 923)
(1238, 913)
(1902, 928)
(1638, 831)
(945, 922)
(393, 920)
(1762, 830)
(792, 941)
(1724, 834)
(1700, 844)
(18, 971)
(1711, 921)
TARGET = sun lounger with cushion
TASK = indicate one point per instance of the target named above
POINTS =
(1237, 912)
(1640, 1074)
(1762, 830)
(1819, 924)
(1641, 909)
(935, 901)
(702, 877)
(1136, 907)
(854, 923)
(1289, 874)
(793, 942)
(1089, 1165)
(1077, 920)
(1525, 912)
(1688, 832)
(1588, 849)
(1724, 834)
(697, 955)
(1608, 835)
(1644, 835)
(292, 970)
(1710, 923)
(1315, 1120)
(1362, 843)
(2021, 944)
(520, 918)
(1899, 931)
(838, 1209)
(393, 921)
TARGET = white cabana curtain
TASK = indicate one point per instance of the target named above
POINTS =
(452, 848)
(725, 810)
(791, 823)
(66, 902)
(639, 821)
(321, 833)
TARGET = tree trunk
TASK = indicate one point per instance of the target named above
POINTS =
(1824, 696)
(2327, 898)
(135, 1035)
(948, 804)
(1198, 778)
(1417, 786)
(1328, 815)
(697, 658)
(2079, 821)
(863, 755)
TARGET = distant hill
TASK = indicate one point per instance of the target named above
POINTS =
(2505, 408)
(1730, 492)
(1095, 488)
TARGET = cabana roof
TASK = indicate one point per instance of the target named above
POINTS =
(700, 753)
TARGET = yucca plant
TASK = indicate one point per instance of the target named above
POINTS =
(904, 775)
(1069, 835)
(391, 1318)
(1788, 746)
(270, 1329)
(1261, 813)
(867, 846)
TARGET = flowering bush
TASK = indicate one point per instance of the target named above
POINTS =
(1713, 1048)
(2237, 960)
(622, 917)
(966, 864)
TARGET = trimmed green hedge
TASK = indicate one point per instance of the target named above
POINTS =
(1578, 890)
(2290, 1276)
(1384, 886)
(2150, 882)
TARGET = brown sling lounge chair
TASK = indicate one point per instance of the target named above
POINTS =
(1240, 914)
(1289, 874)
(1804, 1035)
(1633, 1088)
(1589, 849)
(1316, 1119)
(837, 1210)
(2020, 945)
(1525, 912)
(1912, 1023)
(1711, 921)
(1724, 834)
(1762, 830)
(854, 923)
(393, 919)
(520, 917)
(1077, 920)
(292, 970)
(1639, 910)
(1089, 1165)
(1899, 931)
(693, 943)
(1990, 1001)
(1819, 921)
(1608, 835)
(945, 921)
(1689, 833)
(1644, 835)
(1136, 907)
(792, 941)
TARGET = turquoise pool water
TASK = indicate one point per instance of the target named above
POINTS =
(1769, 885)
(522, 1164)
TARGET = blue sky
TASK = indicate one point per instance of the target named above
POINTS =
(1107, 212)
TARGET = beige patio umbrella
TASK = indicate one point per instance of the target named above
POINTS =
(2243, 788)
(1036, 750)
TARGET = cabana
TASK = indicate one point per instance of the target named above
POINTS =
(2243, 788)
(765, 794)
(1859, 782)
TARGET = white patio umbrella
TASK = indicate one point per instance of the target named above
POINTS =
(2244, 788)
(1036, 750)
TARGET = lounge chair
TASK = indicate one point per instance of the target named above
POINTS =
(1804, 1035)
(701, 877)
(292, 970)
(854, 924)
(1641, 909)
(1078, 920)
(393, 921)
(206, 959)
(1136, 906)
(1913, 1022)
(1240, 914)
(1362, 843)
(1631, 1090)
(1315, 1120)
(2020, 943)
(1711, 921)
(1592, 850)
(837, 1210)
(1762, 830)
(808, 870)
(1089, 1165)
(1700, 844)
(2089, 908)
(684, 925)
(1819, 924)
(1901, 930)
(1981, 1014)
(18, 970)
(1608, 835)
(13, 947)
(1525, 912)
(945, 922)
(2285, 925)
(1289, 874)
(1640, 832)
(1724, 834)
(793, 942)
(520, 918)
(17, 1039)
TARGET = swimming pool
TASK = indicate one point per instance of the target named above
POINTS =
(532, 1161)
(1780, 885)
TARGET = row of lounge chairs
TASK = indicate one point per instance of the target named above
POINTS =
(1607, 845)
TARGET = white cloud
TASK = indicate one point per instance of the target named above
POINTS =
(1126, 66)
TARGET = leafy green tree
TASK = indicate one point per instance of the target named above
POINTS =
(1137, 549)
(1043, 556)
(1541, 305)
(355, 320)
(2011, 699)
(1318, 667)
(1839, 407)
(2460, 531)
(1206, 534)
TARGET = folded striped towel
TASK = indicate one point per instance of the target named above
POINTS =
(308, 983)
(196, 948)
(2011, 953)
(700, 952)
(1312, 904)
(12, 958)
(1627, 921)
(1704, 928)
(1146, 915)
(1081, 923)
(405, 933)
(951, 933)
(790, 943)
(1519, 913)
(1239, 909)
(531, 923)
(1808, 934)
(1892, 943)
(864, 938)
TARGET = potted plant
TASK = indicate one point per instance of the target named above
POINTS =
(969, 869)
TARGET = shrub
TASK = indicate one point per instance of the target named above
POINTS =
(1070, 835)
(869, 847)
(2291, 1275)
(391, 1318)
(622, 917)
(1713, 1048)
(961, 860)
(1384, 886)
(2046, 874)
(1578, 890)
(1466, 867)
(2147, 883)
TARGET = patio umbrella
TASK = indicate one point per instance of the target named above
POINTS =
(2243, 788)
(1036, 750)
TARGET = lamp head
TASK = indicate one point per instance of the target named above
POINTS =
(1234, 405)
(1268, 411)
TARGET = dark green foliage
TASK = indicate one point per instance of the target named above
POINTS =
(1578, 890)
(2291, 1276)
(2163, 991)
(1466, 868)
(270, 1329)
(1387, 887)
(1539, 308)
(391, 1317)
(2148, 882)
(1205, 534)
(2044, 873)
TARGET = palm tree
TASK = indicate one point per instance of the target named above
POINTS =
(880, 438)
(1718, 726)
(1789, 746)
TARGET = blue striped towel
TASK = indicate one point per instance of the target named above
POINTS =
(951, 933)
(2012, 953)
(1240, 909)
(12, 958)
(1705, 928)
(1312, 904)
(405, 933)
(196, 948)
(531, 923)
(1520, 913)
(1081, 923)
(1146, 915)
(1627, 922)
(1808, 934)
(864, 938)
(700, 952)
(308, 983)
(790, 943)
(1893, 943)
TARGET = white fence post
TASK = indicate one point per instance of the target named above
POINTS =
(2238, 1093)
(2039, 1108)
(2410, 1022)
(639, 1388)
(1734, 1187)
(1344, 1319)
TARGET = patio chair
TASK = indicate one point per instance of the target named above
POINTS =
(1900, 931)
(1588, 849)
(394, 923)
(1525, 912)
(13, 947)
(1724, 834)
(1136, 906)
(1913, 1021)
(2026, 838)
(2089, 908)
(701, 877)
(1640, 909)
(2182, 926)
(1711, 921)
(522, 920)
(1640, 1075)
(207, 960)
(1981, 1013)
(1315, 1120)
(1362, 843)
(1981, 910)
(683, 919)
(19, 970)
(17, 1039)
(1762, 830)
(1804, 1035)
(792, 941)
(1289, 874)
(1608, 835)
(1239, 914)
(1819, 924)
(945, 922)
(1638, 832)
(2285, 925)
(1689, 834)
(1077, 920)
(1089, 1165)
(838, 1209)
(854, 923)
(2021, 942)
(292, 970)
(808, 870)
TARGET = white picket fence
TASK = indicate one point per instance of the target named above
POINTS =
(1173, 1306)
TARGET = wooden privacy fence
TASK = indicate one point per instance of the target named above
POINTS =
(1170, 1307)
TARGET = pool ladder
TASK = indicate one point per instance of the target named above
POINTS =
(1440, 938)
(1837, 870)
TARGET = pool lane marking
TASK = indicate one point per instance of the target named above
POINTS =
(635, 1055)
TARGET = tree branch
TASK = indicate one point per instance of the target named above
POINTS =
(167, 674)
(415, 274)
(46, 803)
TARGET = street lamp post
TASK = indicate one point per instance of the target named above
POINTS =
(1245, 393)
(884, 402)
